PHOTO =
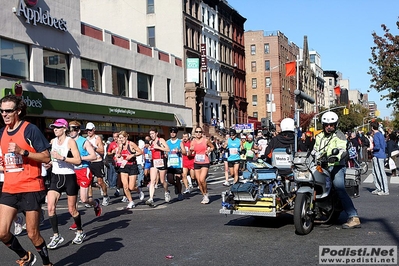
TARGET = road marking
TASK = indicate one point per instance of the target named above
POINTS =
(394, 180)
(391, 180)
(369, 179)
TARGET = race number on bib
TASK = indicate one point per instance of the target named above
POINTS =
(173, 161)
(159, 163)
(200, 158)
(233, 151)
(13, 162)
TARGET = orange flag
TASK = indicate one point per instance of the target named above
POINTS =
(337, 90)
(290, 69)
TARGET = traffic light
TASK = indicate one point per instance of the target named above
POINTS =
(264, 122)
(346, 111)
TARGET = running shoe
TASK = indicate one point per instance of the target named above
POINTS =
(150, 202)
(130, 205)
(105, 201)
(187, 191)
(141, 195)
(79, 238)
(117, 193)
(55, 241)
(180, 197)
(205, 199)
(124, 199)
(167, 196)
(375, 191)
(30, 260)
(73, 227)
(226, 184)
(87, 205)
(18, 226)
(97, 208)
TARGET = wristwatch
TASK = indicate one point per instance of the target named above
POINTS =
(26, 153)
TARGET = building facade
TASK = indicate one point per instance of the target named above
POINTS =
(76, 70)
(270, 93)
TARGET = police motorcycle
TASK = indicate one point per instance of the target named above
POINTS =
(262, 191)
(316, 200)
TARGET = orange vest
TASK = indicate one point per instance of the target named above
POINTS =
(20, 173)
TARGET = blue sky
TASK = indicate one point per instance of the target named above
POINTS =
(340, 31)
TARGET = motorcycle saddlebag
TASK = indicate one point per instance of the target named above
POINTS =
(244, 191)
(265, 173)
(352, 182)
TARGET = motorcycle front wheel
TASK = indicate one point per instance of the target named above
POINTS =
(303, 219)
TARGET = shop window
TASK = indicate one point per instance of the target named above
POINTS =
(14, 59)
(144, 85)
(56, 68)
(91, 75)
(120, 81)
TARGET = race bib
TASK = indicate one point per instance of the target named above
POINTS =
(13, 162)
(200, 158)
(158, 163)
(173, 161)
(233, 151)
(250, 153)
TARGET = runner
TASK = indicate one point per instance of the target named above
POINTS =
(23, 188)
(158, 165)
(126, 162)
(188, 164)
(97, 166)
(83, 174)
(175, 162)
(64, 155)
(201, 147)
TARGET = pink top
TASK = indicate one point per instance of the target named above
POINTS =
(200, 147)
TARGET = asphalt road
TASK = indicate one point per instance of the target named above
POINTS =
(195, 234)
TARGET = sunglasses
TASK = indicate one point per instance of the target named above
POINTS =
(54, 127)
(198, 131)
(331, 125)
(7, 111)
(89, 129)
(173, 132)
(76, 129)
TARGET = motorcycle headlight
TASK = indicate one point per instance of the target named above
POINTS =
(302, 175)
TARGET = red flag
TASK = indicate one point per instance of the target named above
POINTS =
(290, 69)
(337, 90)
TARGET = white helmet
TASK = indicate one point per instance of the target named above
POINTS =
(287, 124)
(329, 118)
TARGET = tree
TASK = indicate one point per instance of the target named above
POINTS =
(385, 72)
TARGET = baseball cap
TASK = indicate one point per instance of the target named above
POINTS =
(243, 137)
(250, 136)
(90, 126)
(59, 123)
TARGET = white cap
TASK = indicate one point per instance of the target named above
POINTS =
(90, 126)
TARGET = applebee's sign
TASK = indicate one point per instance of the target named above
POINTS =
(38, 15)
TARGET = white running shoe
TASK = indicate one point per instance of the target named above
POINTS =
(55, 241)
(124, 199)
(167, 196)
(141, 195)
(79, 238)
(131, 205)
(105, 201)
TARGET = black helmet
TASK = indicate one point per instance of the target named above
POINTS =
(173, 129)
(233, 132)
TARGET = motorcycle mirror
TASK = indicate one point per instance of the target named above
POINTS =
(288, 150)
(335, 151)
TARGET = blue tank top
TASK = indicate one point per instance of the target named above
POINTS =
(80, 141)
(234, 149)
(147, 155)
(174, 158)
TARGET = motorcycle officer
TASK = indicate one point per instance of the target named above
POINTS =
(325, 142)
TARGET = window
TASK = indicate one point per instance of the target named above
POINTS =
(56, 68)
(267, 81)
(119, 81)
(150, 6)
(151, 36)
(144, 84)
(330, 82)
(330, 92)
(253, 49)
(203, 15)
(253, 66)
(91, 75)
(14, 59)
(267, 65)
(255, 114)
(267, 48)
(254, 100)
(254, 83)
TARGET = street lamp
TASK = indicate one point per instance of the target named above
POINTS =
(271, 93)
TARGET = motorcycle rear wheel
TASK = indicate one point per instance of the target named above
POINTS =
(303, 220)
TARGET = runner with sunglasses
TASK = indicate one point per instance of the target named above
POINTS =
(201, 147)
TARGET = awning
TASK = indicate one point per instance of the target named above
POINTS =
(180, 121)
